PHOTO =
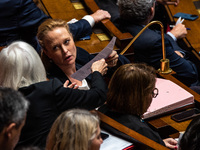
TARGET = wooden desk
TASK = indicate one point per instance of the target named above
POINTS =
(122, 38)
(187, 6)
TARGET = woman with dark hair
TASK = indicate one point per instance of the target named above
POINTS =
(130, 94)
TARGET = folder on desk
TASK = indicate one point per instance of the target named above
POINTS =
(171, 96)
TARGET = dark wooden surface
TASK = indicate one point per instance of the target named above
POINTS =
(146, 142)
(65, 9)
(187, 6)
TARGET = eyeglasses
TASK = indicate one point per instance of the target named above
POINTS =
(155, 93)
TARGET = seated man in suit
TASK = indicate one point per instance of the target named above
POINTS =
(134, 15)
(13, 108)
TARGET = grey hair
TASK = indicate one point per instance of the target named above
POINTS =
(13, 107)
(135, 10)
(20, 66)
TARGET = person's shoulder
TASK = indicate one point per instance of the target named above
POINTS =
(40, 85)
(146, 35)
(83, 56)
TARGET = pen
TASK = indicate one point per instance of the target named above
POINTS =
(171, 26)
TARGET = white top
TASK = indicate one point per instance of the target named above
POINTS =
(84, 85)
(89, 19)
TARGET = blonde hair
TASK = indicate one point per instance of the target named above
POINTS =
(43, 29)
(130, 87)
(20, 66)
(73, 130)
(49, 25)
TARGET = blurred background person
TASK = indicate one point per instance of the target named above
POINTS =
(75, 129)
(13, 108)
(191, 138)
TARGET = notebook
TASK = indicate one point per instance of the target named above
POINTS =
(171, 96)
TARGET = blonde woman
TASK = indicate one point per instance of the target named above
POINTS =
(75, 129)
(62, 58)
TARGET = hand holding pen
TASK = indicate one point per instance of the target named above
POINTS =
(179, 30)
(177, 22)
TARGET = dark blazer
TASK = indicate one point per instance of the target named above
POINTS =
(49, 99)
(133, 122)
(111, 7)
(20, 19)
(82, 58)
(148, 49)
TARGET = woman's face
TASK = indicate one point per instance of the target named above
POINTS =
(97, 141)
(60, 47)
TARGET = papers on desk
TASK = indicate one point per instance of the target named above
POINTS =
(171, 96)
(114, 143)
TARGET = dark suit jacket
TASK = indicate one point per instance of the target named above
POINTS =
(49, 99)
(111, 7)
(20, 19)
(148, 49)
(133, 122)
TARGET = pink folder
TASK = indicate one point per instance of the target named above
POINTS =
(170, 97)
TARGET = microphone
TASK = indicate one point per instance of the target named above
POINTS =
(164, 66)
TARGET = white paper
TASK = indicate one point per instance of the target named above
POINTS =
(114, 143)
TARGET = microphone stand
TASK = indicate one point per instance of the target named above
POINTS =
(164, 67)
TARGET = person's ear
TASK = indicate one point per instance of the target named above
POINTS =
(11, 130)
(152, 11)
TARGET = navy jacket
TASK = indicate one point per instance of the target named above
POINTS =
(148, 49)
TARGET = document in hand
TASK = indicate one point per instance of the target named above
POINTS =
(171, 96)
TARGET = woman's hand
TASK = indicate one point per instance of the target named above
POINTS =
(112, 59)
(72, 86)
(170, 143)
(100, 66)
